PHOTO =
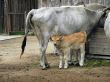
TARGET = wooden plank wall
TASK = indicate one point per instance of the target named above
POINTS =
(1, 15)
(98, 43)
(71, 2)
(17, 10)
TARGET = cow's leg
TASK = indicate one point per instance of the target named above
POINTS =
(82, 55)
(43, 59)
(43, 46)
(43, 42)
(61, 61)
(43, 38)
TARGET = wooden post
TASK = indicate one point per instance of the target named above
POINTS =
(44, 3)
(25, 19)
(6, 17)
(39, 3)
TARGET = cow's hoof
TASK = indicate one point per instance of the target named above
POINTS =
(65, 67)
(60, 67)
(44, 68)
(70, 63)
(47, 65)
(77, 64)
(81, 65)
(56, 54)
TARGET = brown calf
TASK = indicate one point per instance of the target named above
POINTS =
(75, 41)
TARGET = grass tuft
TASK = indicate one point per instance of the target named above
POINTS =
(97, 63)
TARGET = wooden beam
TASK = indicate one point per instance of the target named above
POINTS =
(98, 56)
(6, 17)
(16, 13)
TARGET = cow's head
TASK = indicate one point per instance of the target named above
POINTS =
(103, 18)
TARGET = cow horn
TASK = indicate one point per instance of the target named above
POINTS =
(108, 8)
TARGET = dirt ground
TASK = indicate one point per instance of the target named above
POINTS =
(27, 69)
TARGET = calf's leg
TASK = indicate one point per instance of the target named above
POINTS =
(82, 55)
(66, 58)
(61, 61)
(70, 55)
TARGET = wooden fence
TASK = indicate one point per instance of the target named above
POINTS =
(14, 13)
(71, 2)
(1, 15)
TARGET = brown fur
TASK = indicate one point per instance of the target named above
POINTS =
(72, 39)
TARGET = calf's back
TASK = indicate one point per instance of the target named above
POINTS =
(73, 40)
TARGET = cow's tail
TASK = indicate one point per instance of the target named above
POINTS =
(27, 24)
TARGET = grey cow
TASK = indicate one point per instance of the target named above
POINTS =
(49, 21)
(107, 26)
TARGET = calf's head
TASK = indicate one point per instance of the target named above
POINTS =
(56, 40)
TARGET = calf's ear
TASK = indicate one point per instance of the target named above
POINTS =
(61, 37)
(51, 39)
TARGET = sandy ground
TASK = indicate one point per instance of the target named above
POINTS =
(27, 69)
(7, 37)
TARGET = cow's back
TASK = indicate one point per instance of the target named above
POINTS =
(76, 19)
